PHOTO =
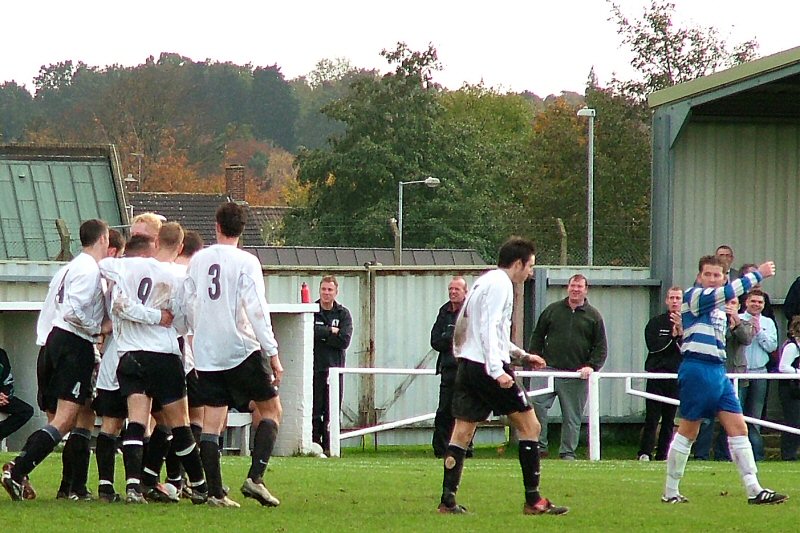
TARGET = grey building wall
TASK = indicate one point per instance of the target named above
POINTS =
(737, 183)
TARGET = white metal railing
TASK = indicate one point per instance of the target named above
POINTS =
(593, 399)
(333, 402)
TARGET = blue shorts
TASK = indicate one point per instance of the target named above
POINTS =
(705, 390)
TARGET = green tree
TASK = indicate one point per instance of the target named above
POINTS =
(258, 163)
(329, 81)
(621, 178)
(16, 111)
(665, 54)
(554, 183)
(403, 127)
(389, 138)
(54, 77)
(222, 91)
(274, 107)
(485, 135)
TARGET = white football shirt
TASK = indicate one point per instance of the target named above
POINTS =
(44, 325)
(143, 287)
(188, 356)
(80, 306)
(483, 328)
(227, 308)
(107, 374)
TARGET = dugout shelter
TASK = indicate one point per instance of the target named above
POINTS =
(726, 170)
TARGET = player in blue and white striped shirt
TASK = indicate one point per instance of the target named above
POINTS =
(705, 391)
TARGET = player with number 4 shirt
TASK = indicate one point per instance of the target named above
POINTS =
(68, 360)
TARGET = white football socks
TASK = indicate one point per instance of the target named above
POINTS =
(677, 457)
(742, 454)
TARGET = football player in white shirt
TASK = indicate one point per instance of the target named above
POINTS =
(44, 325)
(168, 244)
(109, 404)
(76, 455)
(485, 381)
(192, 243)
(228, 311)
(146, 294)
(69, 353)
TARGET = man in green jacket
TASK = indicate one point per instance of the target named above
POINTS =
(570, 336)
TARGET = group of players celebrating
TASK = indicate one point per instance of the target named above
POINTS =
(181, 342)
(185, 335)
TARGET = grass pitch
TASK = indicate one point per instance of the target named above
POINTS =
(399, 491)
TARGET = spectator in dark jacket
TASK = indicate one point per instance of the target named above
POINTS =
(17, 410)
(791, 305)
(663, 335)
(442, 342)
(333, 329)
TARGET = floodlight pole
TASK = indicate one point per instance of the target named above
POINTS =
(588, 112)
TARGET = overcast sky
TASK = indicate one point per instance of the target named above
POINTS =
(541, 46)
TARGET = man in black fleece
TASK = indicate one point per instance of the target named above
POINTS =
(446, 365)
(663, 335)
(333, 329)
(570, 336)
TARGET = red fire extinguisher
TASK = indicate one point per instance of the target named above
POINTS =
(305, 293)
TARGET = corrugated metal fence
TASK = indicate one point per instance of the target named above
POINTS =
(393, 310)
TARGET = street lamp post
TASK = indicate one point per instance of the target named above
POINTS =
(139, 156)
(588, 112)
(430, 182)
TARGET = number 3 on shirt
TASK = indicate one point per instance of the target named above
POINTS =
(214, 290)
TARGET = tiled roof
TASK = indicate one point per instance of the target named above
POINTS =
(195, 211)
(271, 214)
(268, 219)
(308, 256)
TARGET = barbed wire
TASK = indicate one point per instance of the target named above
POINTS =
(616, 244)
(35, 249)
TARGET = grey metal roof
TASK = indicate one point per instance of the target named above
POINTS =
(747, 75)
(309, 256)
(42, 183)
(195, 211)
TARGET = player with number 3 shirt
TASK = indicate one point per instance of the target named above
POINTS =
(235, 352)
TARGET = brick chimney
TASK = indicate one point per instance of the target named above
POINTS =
(234, 182)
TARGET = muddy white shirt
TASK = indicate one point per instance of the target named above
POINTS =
(227, 308)
(107, 374)
(483, 328)
(143, 287)
(79, 302)
(188, 355)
